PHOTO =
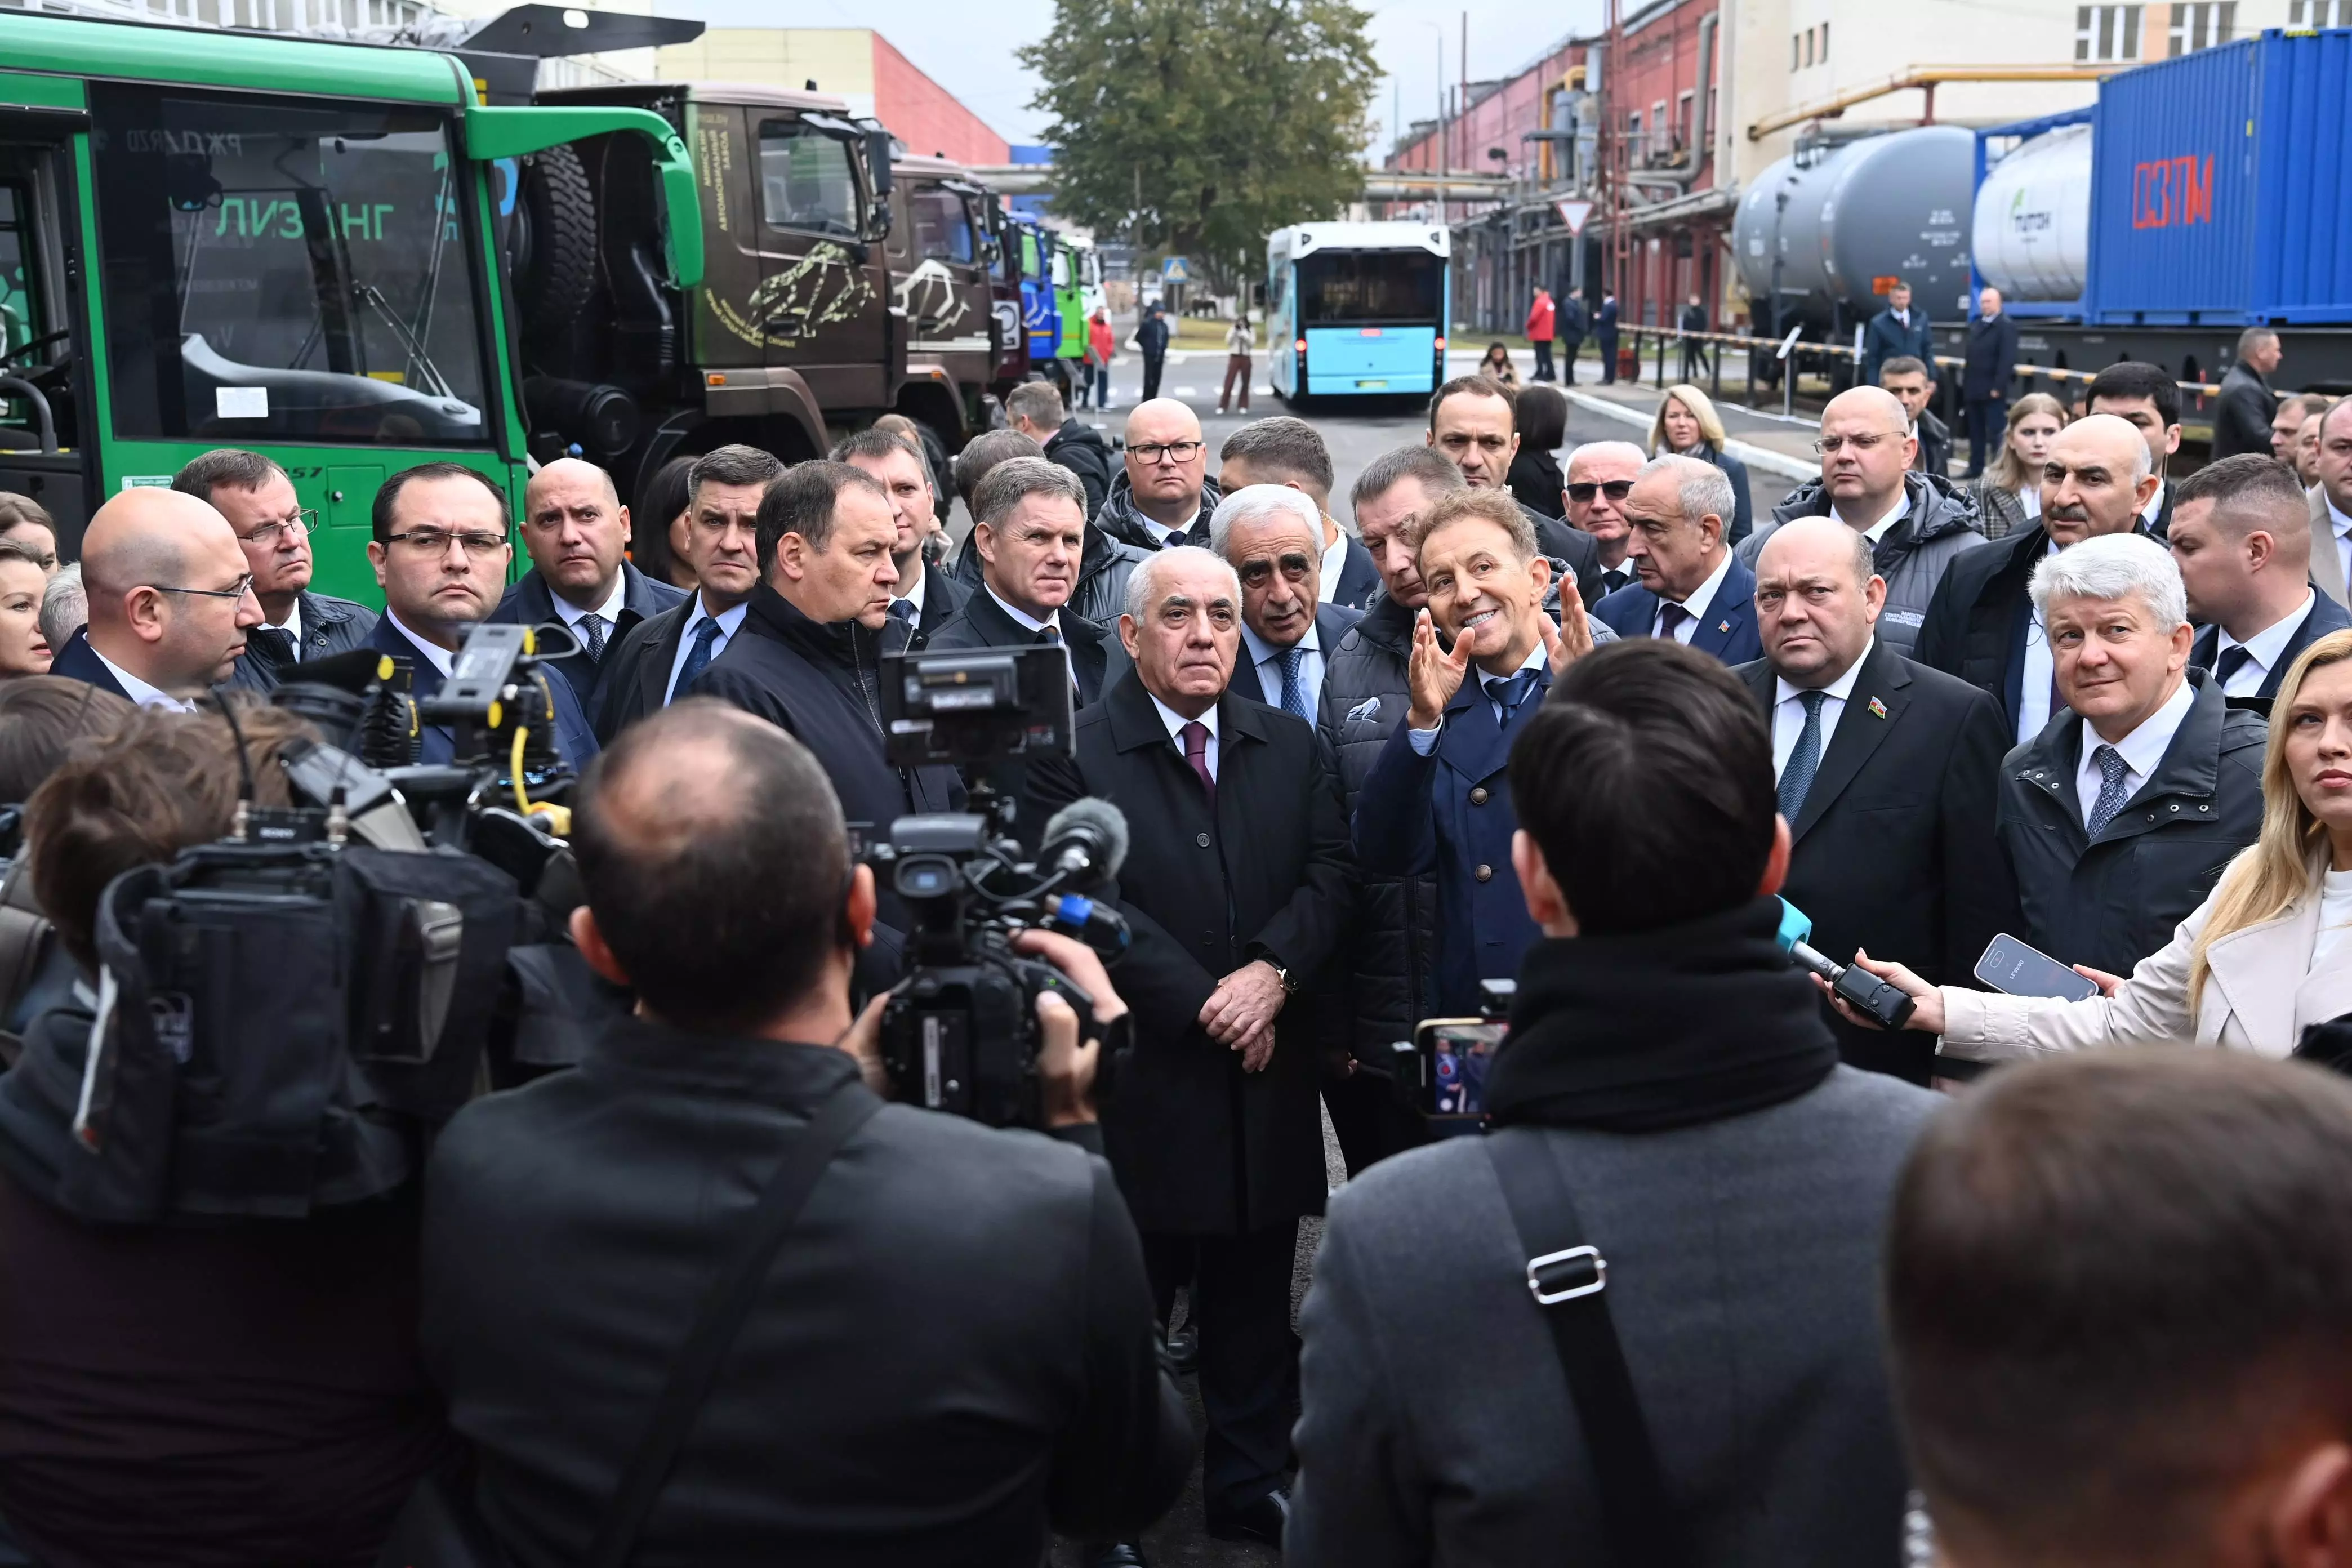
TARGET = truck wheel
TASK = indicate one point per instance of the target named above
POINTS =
(555, 242)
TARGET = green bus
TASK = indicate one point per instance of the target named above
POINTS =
(219, 238)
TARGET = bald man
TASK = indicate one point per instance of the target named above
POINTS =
(1916, 521)
(1888, 775)
(576, 532)
(171, 600)
(1980, 625)
(1164, 495)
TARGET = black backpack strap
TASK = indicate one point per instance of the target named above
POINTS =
(729, 1302)
(1569, 1279)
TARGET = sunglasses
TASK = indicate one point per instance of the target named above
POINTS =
(1616, 490)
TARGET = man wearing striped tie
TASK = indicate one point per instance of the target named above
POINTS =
(1272, 536)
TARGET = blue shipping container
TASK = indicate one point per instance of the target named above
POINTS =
(2217, 188)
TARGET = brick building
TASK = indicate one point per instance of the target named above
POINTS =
(855, 63)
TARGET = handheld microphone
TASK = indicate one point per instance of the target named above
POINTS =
(1857, 987)
(1084, 845)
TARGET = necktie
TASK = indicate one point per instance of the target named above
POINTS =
(1510, 691)
(2112, 769)
(1797, 777)
(697, 657)
(1177, 538)
(1294, 689)
(1669, 617)
(1049, 637)
(1196, 752)
(1616, 577)
(273, 643)
(2233, 660)
(592, 631)
(903, 610)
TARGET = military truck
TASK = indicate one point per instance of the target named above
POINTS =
(947, 263)
(211, 237)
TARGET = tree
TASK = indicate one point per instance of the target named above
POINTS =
(1198, 127)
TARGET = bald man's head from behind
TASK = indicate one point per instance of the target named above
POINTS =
(170, 597)
(717, 879)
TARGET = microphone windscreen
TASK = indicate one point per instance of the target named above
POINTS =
(1105, 820)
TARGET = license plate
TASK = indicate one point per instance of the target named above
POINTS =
(1371, 386)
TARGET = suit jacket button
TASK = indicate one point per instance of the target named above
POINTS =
(1485, 873)
(1478, 795)
(1203, 841)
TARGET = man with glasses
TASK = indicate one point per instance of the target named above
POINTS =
(440, 555)
(171, 600)
(1165, 495)
(1600, 478)
(274, 528)
(1473, 419)
(1917, 520)
(660, 657)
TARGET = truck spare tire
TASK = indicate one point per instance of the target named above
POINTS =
(554, 243)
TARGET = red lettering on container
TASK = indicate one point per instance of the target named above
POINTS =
(2172, 191)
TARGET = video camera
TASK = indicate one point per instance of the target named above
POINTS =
(959, 1033)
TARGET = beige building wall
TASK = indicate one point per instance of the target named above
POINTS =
(840, 60)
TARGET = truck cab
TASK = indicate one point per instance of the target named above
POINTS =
(944, 250)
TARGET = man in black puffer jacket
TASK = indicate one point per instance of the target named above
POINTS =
(1035, 408)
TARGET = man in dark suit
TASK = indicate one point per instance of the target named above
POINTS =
(2242, 415)
(1029, 527)
(1895, 333)
(1887, 774)
(1913, 385)
(1599, 476)
(1692, 589)
(925, 600)
(2242, 538)
(661, 657)
(1287, 451)
(1604, 333)
(1473, 420)
(274, 529)
(576, 532)
(1568, 321)
(2145, 397)
(1266, 533)
(1982, 625)
(1436, 804)
(440, 553)
(1238, 897)
(1990, 362)
(573, 1228)
(171, 600)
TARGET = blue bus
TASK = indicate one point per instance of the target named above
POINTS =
(1356, 309)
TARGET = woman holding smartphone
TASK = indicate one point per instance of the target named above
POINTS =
(2269, 953)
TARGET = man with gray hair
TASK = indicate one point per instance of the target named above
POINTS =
(1035, 408)
(1029, 530)
(2120, 815)
(1692, 588)
(1600, 478)
(64, 607)
(1283, 451)
(1271, 535)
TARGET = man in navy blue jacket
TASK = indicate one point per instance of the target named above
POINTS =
(1437, 803)
(1692, 588)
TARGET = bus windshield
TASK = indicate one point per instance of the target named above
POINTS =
(1352, 287)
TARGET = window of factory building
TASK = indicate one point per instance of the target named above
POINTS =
(2106, 32)
(1796, 50)
(2311, 14)
(1682, 121)
(2202, 25)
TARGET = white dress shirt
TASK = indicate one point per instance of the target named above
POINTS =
(1176, 722)
(291, 626)
(2141, 750)
(730, 622)
(1699, 605)
(1267, 659)
(2030, 498)
(2262, 649)
(1424, 742)
(1878, 531)
(909, 591)
(2155, 509)
(440, 658)
(1789, 713)
(2343, 528)
(1335, 560)
(2034, 688)
(139, 691)
(609, 612)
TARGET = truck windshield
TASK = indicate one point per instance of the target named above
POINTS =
(285, 272)
(1350, 288)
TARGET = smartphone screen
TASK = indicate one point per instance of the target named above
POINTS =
(1458, 1052)
(2009, 965)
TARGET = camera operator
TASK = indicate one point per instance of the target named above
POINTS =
(954, 1347)
(242, 1391)
(1669, 1083)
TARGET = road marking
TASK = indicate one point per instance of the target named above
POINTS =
(1188, 392)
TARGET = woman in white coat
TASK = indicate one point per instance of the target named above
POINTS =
(2268, 953)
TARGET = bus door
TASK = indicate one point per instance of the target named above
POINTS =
(42, 389)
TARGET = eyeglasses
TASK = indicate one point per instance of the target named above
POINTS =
(1831, 445)
(1615, 490)
(1169, 451)
(301, 525)
(436, 541)
(242, 586)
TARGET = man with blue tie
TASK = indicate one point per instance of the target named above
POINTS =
(1692, 588)
(661, 655)
(1438, 801)
(1271, 536)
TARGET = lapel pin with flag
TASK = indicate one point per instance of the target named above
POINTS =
(1878, 709)
(1722, 625)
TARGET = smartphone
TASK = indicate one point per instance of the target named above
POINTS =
(1454, 1055)
(2009, 965)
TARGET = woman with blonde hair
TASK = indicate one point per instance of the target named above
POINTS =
(2266, 956)
(2009, 497)
(1687, 425)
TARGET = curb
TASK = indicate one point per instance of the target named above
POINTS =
(1748, 452)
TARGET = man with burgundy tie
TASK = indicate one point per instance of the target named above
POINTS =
(1271, 535)
(1238, 896)
(273, 529)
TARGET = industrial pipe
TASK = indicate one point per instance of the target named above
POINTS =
(1926, 77)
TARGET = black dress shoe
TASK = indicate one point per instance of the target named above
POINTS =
(1112, 1554)
(1261, 1522)
(1184, 1350)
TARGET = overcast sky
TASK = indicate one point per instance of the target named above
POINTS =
(967, 47)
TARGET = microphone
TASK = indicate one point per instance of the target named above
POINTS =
(1857, 987)
(1099, 926)
(1085, 843)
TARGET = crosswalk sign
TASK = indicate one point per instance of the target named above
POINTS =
(1175, 270)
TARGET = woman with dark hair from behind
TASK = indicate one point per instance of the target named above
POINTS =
(190, 1392)
(657, 526)
(1541, 414)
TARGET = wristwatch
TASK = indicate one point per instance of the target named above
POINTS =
(1289, 981)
